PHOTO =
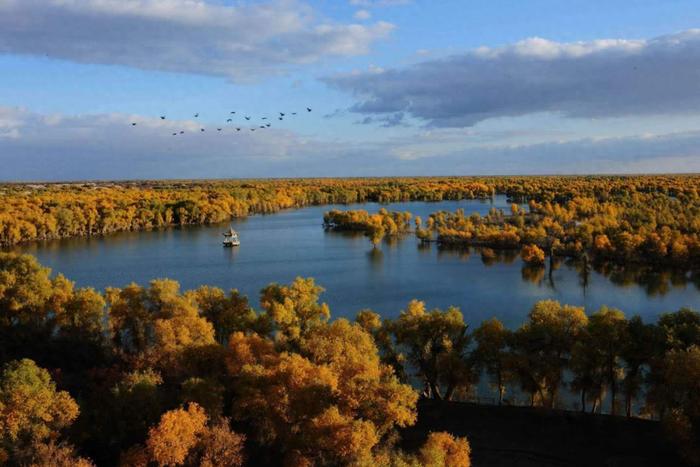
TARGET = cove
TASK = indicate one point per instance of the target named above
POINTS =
(281, 246)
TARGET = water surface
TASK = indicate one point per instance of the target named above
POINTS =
(279, 247)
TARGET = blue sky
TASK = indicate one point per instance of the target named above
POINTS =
(397, 87)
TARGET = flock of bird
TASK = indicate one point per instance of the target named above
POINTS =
(265, 122)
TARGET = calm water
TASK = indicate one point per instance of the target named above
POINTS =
(279, 247)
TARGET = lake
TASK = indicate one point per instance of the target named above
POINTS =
(279, 247)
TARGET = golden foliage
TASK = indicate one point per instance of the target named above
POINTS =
(171, 440)
(444, 450)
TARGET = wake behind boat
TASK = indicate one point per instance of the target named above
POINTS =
(231, 238)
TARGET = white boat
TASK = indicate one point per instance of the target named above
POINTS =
(231, 238)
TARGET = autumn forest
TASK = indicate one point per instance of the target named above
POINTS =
(149, 374)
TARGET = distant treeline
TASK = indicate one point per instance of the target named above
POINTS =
(642, 206)
(41, 212)
(151, 374)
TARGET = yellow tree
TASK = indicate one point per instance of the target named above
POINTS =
(435, 342)
(25, 288)
(444, 450)
(532, 255)
(607, 329)
(491, 352)
(294, 309)
(176, 434)
(329, 405)
(227, 314)
(543, 345)
(31, 409)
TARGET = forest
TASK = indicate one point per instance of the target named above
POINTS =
(653, 220)
(153, 375)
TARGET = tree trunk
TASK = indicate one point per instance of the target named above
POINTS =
(628, 405)
(583, 401)
(435, 390)
(500, 387)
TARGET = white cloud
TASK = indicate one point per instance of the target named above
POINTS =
(362, 15)
(106, 146)
(192, 36)
(601, 78)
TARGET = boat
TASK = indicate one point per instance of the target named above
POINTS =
(231, 238)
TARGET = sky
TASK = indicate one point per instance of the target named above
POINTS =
(395, 87)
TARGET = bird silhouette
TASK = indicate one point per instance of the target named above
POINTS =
(218, 129)
(281, 114)
(196, 115)
(182, 132)
(264, 118)
(202, 129)
(233, 113)
(269, 125)
(238, 129)
(162, 117)
(133, 124)
(294, 113)
(308, 109)
(263, 126)
(247, 118)
(252, 129)
(281, 118)
(174, 134)
(229, 120)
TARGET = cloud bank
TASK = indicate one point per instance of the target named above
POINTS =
(602, 78)
(106, 146)
(192, 36)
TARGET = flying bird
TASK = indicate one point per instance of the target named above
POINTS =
(281, 114)
(196, 115)
(238, 129)
(174, 134)
(294, 113)
(247, 118)
(308, 109)
(281, 118)
(182, 132)
(233, 113)
(264, 118)
(218, 129)
(269, 125)
(202, 129)
(229, 120)
(252, 129)
(162, 117)
(133, 124)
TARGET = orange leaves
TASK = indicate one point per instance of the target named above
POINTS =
(183, 437)
(171, 440)
(30, 406)
(532, 255)
(294, 309)
(375, 226)
(444, 450)
(330, 402)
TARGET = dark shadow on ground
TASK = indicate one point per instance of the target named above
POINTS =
(529, 437)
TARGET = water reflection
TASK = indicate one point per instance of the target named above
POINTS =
(280, 247)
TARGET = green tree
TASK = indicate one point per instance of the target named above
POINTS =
(435, 342)
(607, 329)
(491, 353)
(543, 345)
